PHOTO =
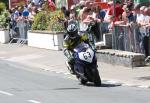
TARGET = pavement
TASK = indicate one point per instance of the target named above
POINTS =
(54, 61)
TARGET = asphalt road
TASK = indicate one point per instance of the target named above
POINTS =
(19, 84)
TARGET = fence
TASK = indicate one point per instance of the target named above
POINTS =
(131, 38)
(18, 32)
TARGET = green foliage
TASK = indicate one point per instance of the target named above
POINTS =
(3, 16)
(43, 21)
(54, 24)
(40, 22)
(2, 7)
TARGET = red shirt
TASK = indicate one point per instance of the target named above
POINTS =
(118, 12)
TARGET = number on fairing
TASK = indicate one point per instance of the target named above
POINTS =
(87, 55)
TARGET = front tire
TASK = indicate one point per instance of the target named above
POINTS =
(97, 79)
(83, 82)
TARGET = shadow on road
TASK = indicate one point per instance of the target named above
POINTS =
(110, 85)
(66, 88)
(144, 78)
(90, 85)
(103, 85)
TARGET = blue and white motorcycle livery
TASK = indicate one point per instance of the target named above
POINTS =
(85, 66)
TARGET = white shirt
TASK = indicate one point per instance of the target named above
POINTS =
(36, 2)
(140, 18)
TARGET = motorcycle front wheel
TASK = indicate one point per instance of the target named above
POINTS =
(82, 81)
(97, 79)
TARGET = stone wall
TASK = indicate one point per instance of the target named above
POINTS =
(123, 58)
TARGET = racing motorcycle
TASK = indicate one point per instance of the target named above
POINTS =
(86, 61)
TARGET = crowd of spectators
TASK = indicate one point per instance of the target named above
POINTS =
(87, 11)
(24, 13)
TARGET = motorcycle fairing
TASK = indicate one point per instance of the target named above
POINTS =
(84, 52)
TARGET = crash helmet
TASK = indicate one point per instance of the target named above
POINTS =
(72, 30)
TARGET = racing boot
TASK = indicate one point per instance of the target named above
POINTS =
(70, 67)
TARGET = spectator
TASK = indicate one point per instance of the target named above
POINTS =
(108, 17)
(130, 4)
(51, 5)
(30, 4)
(101, 14)
(140, 16)
(127, 16)
(95, 13)
(73, 13)
(79, 7)
(16, 13)
(146, 34)
(83, 18)
(118, 12)
(66, 14)
(142, 21)
(34, 10)
(146, 20)
(31, 15)
(96, 27)
(148, 11)
(36, 2)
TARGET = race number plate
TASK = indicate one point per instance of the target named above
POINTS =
(87, 55)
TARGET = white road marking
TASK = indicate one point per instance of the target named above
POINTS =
(6, 93)
(33, 101)
(143, 86)
(67, 73)
(112, 81)
(60, 72)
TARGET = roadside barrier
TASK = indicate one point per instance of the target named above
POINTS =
(131, 38)
(21, 29)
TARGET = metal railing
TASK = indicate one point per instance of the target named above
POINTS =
(18, 32)
(131, 38)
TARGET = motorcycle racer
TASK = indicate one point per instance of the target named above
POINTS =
(72, 39)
